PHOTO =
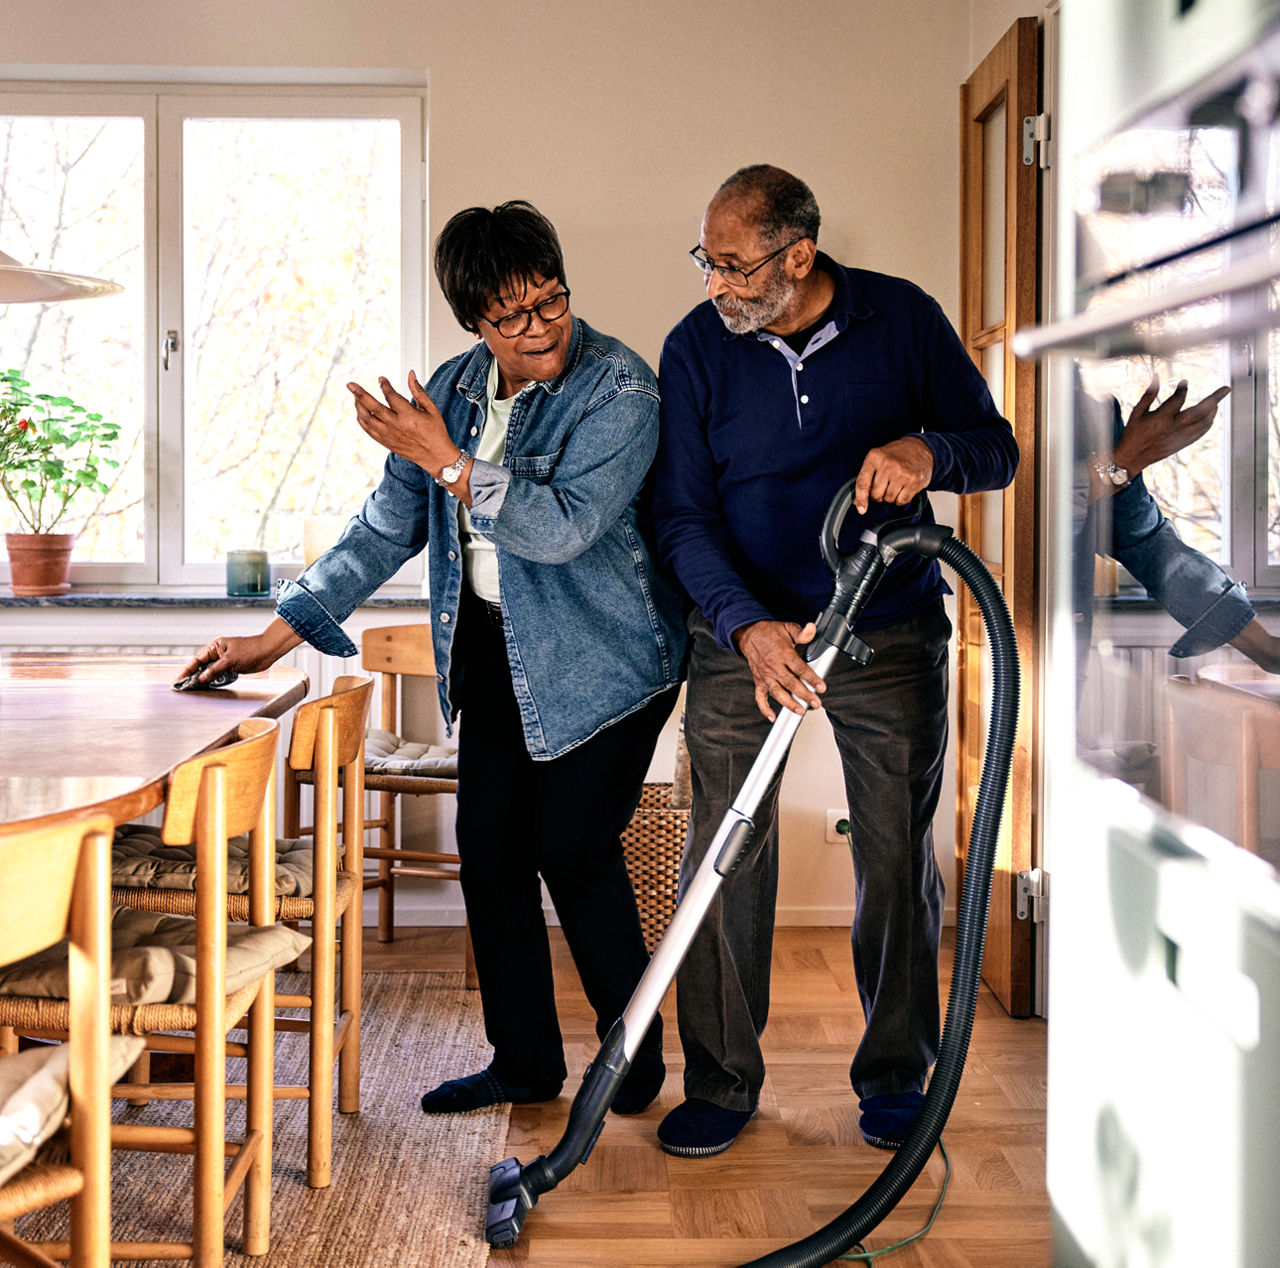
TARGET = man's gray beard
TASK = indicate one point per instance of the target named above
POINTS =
(754, 313)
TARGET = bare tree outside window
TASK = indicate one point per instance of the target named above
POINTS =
(287, 237)
(71, 197)
(291, 233)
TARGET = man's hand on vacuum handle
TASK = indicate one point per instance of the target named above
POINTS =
(893, 473)
(778, 669)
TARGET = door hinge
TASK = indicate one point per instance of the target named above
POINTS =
(1033, 895)
(1035, 140)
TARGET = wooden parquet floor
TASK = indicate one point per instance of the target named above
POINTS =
(801, 1161)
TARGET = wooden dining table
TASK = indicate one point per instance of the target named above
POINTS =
(103, 730)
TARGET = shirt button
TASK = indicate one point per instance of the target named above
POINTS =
(804, 400)
(453, 554)
(475, 431)
(799, 365)
(776, 344)
(444, 618)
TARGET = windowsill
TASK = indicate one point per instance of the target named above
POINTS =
(189, 599)
(1138, 601)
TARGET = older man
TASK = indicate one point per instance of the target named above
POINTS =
(796, 375)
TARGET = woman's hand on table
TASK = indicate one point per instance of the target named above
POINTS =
(245, 655)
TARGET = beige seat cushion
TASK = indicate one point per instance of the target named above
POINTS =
(34, 1096)
(153, 959)
(387, 754)
(141, 860)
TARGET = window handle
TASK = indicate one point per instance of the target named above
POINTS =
(170, 345)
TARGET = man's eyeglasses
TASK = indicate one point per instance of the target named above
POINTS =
(733, 275)
(513, 325)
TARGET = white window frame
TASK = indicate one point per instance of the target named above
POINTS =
(163, 107)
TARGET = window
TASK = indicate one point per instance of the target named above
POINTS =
(271, 246)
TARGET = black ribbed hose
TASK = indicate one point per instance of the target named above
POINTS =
(849, 1228)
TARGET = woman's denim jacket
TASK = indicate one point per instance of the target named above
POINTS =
(593, 627)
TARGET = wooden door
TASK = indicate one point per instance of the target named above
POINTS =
(998, 222)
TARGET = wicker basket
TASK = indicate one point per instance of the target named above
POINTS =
(653, 844)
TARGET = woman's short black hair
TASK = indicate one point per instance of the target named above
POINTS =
(481, 250)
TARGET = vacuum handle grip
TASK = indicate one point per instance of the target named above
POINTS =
(837, 512)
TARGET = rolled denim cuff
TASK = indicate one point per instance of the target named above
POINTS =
(1230, 613)
(489, 484)
(304, 613)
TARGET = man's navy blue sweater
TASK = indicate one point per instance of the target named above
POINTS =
(756, 439)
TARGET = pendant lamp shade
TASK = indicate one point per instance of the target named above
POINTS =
(19, 284)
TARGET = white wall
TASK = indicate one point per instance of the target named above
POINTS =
(618, 119)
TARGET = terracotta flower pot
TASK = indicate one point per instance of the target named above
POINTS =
(39, 563)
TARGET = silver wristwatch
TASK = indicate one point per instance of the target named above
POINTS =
(451, 473)
(1109, 473)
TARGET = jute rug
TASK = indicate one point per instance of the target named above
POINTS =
(408, 1188)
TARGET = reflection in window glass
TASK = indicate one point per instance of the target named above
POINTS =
(291, 247)
(1142, 194)
(71, 199)
(1273, 449)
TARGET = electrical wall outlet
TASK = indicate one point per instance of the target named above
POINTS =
(838, 826)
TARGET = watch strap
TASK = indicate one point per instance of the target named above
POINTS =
(451, 473)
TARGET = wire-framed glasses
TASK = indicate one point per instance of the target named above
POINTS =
(733, 275)
(513, 325)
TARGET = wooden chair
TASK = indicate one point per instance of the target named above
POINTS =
(327, 745)
(395, 652)
(326, 748)
(1225, 730)
(228, 791)
(55, 886)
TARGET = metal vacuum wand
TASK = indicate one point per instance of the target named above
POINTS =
(514, 1189)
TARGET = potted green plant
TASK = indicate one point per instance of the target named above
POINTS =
(51, 449)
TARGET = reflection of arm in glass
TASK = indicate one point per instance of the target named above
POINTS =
(1130, 527)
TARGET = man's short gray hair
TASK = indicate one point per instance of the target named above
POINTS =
(787, 207)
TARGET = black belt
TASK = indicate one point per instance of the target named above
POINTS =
(494, 610)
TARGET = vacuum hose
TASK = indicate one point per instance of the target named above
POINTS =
(847, 1229)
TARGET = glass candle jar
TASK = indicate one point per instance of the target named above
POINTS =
(248, 574)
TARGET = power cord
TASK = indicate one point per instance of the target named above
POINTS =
(869, 1256)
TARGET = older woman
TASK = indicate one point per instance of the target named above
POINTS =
(558, 639)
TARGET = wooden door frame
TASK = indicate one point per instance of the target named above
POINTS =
(1009, 76)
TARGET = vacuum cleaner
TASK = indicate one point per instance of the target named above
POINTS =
(514, 1189)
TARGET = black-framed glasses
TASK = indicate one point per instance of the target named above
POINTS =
(513, 325)
(730, 272)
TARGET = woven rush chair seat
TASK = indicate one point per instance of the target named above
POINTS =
(39, 1184)
(652, 845)
(150, 876)
(394, 764)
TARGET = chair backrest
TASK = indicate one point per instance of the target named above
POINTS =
(398, 649)
(395, 651)
(57, 883)
(1221, 729)
(40, 864)
(349, 705)
(246, 765)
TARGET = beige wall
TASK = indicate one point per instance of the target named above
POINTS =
(618, 118)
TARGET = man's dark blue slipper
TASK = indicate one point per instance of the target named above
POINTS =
(886, 1121)
(697, 1128)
